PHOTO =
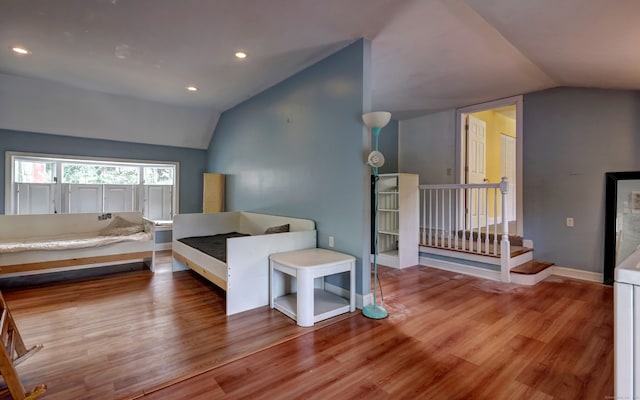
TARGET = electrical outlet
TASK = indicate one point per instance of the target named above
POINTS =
(331, 242)
(570, 222)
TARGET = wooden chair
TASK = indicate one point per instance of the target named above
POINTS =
(12, 353)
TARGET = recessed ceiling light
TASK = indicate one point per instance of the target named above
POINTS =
(241, 54)
(192, 88)
(20, 50)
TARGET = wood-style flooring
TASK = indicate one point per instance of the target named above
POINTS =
(448, 336)
(114, 337)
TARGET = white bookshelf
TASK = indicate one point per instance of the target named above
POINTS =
(398, 220)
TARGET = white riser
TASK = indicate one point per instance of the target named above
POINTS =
(531, 280)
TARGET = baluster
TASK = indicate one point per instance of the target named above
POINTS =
(457, 217)
(495, 221)
(442, 237)
(505, 246)
(436, 227)
(449, 228)
(486, 221)
(479, 245)
(470, 219)
(429, 242)
(424, 216)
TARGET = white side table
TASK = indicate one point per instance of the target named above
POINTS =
(305, 303)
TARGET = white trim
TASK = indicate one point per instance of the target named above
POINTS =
(163, 246)
(460, 268)
(528, 243)
(342, 292)
(460, 157)
(578, 274)
(363, 300)
(520, 278)
(476, 257)
(532, 279)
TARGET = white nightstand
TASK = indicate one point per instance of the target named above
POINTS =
(302, 301)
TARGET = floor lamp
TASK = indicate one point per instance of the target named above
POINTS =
(375, 121)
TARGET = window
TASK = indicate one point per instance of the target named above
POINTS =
(33, 171)
(100, 174)
(60, 184)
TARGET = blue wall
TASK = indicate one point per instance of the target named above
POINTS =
(388, 146)
(296, 149)
(573, 136)
(191, 161)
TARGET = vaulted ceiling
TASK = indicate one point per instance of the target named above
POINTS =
(428, 55)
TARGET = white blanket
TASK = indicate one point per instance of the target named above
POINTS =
(64, 242)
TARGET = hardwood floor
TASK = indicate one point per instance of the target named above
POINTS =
(448, 336)
(113, 337)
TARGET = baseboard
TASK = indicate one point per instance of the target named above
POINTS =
(163, 246)
(363, 300)
(578, 274)
(342, 292)
(495, 275)
(460, 268)
(528, 243)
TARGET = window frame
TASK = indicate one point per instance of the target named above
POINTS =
(59, 159)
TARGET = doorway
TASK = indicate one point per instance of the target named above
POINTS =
(489, 146)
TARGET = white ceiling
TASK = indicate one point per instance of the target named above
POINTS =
(428, 55)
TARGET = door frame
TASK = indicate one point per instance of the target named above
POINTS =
(461, 146)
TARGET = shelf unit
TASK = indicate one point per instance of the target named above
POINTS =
(398, 219)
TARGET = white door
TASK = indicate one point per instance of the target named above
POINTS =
(508, 170)
(477, 167)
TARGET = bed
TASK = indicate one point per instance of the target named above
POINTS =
(244, 275)
(35, 244)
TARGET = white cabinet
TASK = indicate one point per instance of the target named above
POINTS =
(398, 220)
(626, 328)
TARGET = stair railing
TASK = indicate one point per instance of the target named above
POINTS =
(465, 217)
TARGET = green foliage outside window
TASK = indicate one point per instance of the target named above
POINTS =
(100, 174)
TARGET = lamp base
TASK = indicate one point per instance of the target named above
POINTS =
(374, 311)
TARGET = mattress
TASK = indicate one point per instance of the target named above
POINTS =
(70, 241)
(215, 245)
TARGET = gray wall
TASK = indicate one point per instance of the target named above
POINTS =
(297, 149)
(572, 137)
(191, 161)
(426, 147)
(388, 146)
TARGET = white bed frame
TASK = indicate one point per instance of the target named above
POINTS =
(48, 226)
(245, 275)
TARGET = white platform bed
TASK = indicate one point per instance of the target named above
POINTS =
(34, 244)
(245, 274)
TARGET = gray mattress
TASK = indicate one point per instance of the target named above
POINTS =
(215, 245)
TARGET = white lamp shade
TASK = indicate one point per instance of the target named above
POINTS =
(375, 159)
(378, 119)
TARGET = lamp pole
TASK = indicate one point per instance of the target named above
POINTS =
(375, 311)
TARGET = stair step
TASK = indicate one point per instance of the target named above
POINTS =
(531, 267)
